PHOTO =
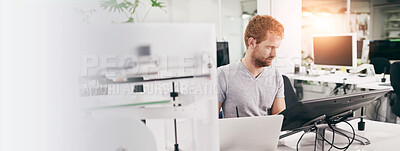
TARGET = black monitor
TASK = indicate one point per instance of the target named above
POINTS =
(222, 53)
(389, 49)
(359, 49)
(298, 115)
(335, 51)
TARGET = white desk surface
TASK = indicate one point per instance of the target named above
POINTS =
(335, 78)
(383, 136)
(376, 85)
(360, 82)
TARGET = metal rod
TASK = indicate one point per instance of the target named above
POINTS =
(175, 126)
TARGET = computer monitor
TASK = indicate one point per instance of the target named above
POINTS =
(222, 53)
(389, 49)
(299, 114)
(335, 51)
(359, 49)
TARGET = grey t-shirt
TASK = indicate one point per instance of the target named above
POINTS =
(252, 96)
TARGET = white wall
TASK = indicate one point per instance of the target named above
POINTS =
(288, 12)
(231, 19)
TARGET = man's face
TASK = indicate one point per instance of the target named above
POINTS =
(265, 51)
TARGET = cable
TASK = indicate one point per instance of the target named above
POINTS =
(354, 134)
(297, 145)
(377, 106)
(350, 141)
(333, 135)
(333, 139)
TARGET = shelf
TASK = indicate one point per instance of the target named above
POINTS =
(130, 104)
(392, 29)
(145, 108)
(392, 11)
(394, 20)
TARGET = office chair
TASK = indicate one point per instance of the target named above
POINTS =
(290, 95)
(395, 82)
(381, 65)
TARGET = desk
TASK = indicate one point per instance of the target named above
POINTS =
(383, 136)
(377, 110)
(376, 85)
(352, 79)
(335, 78)
(360, 82)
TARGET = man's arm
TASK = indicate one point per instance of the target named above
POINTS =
(221, 88)
(219, 107)
(278, 106)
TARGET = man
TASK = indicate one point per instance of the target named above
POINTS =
(250, 87)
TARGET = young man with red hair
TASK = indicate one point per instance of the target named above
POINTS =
(251, 87)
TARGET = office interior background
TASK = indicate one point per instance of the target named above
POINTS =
(45, 44)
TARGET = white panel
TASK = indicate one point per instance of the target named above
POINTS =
(264, 7)
(171, 43)
(232, 24)
(288, 12)
(290, 49)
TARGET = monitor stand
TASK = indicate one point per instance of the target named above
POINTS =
(317, 126)
(363, 140)
(320, 135)
(369, 67)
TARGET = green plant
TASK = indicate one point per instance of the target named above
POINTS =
(85, 14)
(129, 8)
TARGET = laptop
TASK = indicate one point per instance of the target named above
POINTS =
(260, 133)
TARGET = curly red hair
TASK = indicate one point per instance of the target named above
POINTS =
(259, 26)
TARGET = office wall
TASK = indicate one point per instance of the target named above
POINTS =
(288, 12)
(206, 11)
(329, 17)
(231, 19)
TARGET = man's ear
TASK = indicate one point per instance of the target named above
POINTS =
(252, 42)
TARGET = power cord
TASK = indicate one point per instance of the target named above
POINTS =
(354, 134)
(333, 137)
(297, 145)
(348, 145)
(333, 140)
(377, 106)
(333, 133)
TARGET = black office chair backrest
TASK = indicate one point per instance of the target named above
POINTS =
(381, 65)
(395, 82)
(290, 95)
